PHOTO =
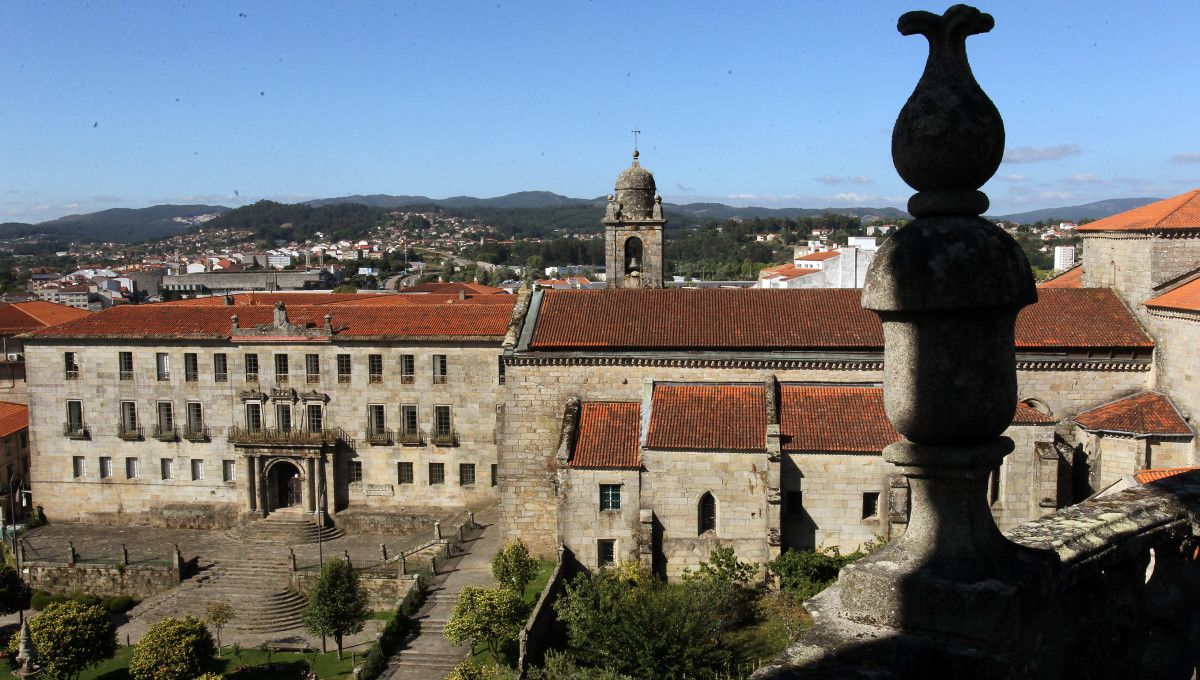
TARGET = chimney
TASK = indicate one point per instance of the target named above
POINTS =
(329, 324)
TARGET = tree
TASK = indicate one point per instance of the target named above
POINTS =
(337, 604)
(14, 593)
(172, 649)
(513, 567)
(217, 614)
(467, 670)
(345, 288)
(488, 615)
(70, 637)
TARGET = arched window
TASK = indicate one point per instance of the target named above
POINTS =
(633, 255)
(707, 513)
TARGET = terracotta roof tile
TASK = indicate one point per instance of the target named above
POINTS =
(22, 317)
(845, 419)
(609, 434)
(818, 257)
(269, 299)
(708, 418)
(454, 287)
(1028, 415)
(1178, 213)
(1184, 298)
(1072, 278)
(1153, 475)
(13, 418)
(349, 321)
(1147, 413)
(786, 271)
(798, 319)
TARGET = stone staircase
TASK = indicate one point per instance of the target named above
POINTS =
(257, 586)
(284, 527)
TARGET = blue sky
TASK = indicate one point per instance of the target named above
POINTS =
(126, 104)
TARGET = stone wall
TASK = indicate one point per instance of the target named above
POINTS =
(470, 390)
(581, 522)
(1122, 262)
(101, 580)
(1177, 361)
(542, 630)
(384, 591)
(12, 382)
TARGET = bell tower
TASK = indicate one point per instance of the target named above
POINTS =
(633, 231)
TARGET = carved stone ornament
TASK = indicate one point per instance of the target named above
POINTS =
(252, 395)
(283, 394)
(773, 537)
(314, 396)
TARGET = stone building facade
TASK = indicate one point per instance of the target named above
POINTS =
(19, 318)
(1076, 348)
(243, 409)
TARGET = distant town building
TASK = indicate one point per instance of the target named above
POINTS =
(1064, 258)
(223, 283)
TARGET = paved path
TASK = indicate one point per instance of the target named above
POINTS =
(429, 655)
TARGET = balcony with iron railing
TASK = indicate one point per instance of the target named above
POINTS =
(221, 376)
(445, 438)
(76, 430)
(165, 433)
(343, 378)
(196, 433)
(252, 376)
(379, 436)
(375, 378)
(439, 378)
(163, 376)
(282, 378)
(411, 438)
(270, 436)
(126, 375)
(311, 378)
(407, 378)
(130, 433)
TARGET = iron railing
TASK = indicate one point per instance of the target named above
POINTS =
(166, 433)
(75, 430)
(130, 432)
(379, 436)
(196, 433)
(444, 438)
(271, 435)
(412, 438)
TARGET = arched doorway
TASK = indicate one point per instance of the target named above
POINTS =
(284, 485)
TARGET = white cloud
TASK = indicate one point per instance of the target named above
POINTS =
(1084, 178)
(833, 180)
(1186, 158)
(1013, 178)
(1034, 154)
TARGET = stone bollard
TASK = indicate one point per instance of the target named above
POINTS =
(72, 556)
(403, 564)
(947, 288)
(124, 555)
(292, 558)
(177, 561)
(383, 552)
(437, 531)
(471, 519)
(348, 562)
(461, 536)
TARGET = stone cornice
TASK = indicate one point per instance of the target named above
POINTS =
(796, 364)
(1118, 366)
(1164, 313)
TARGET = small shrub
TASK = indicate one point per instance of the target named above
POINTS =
(41, 599)
(85, 599)
(119, 604)
(467, 670)
(172, 649)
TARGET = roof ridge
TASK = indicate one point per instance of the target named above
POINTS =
(1178, 207)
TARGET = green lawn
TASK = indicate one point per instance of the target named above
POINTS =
(285, 666)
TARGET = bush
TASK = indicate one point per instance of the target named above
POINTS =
(513, 567)
(562, 666)
(172, 649)
(119, 604)
(85, 599)
(467, 670)
(41, 599)
(808, 572)
(70, 637)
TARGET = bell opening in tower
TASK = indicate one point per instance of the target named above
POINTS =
(633, 255)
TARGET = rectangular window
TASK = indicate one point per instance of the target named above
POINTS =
(437, 473)
(166, 468)
(283, 417)
(606, 552)
(166, 416)
(442, 427)
(77, 466)
(191, 367)
(408, 369)
(439, 369)
(343, 368)
(75, 416)
(281, 368)
(197, 469)
(408, 419)
(251, 367)
(994, 485)
(228, 470)
(312, 368)
(466, 474)
(610, 496)
(195, 419)
(131, 468)
(494, 476)
(253, 417)
(162, 366)
(315, 417)
(125, 365)
(129, 420)
(70, 366)
(870, 504)
(220, 367)
(356, 472)
(404, 473)
(375, 368)
(376, 423)
(500, 370)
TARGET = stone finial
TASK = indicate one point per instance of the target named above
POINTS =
(280, 317)
(234, 321)
(949, 137)
(124, 554)
(437, 531)
(329, 324)
(72, 555)
(26, 652)
(292, 557)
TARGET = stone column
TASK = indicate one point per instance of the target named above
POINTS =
(310, 485)
(260, 465)
(947, 288)
(774, 470)
(251, 483)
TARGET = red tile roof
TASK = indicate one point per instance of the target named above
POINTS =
(1153, 475)
(22, 317)
(13, 418)
(818, 257)
(1072, 278)
(174, 322)
(708, 417)
(843, 419)
(269, 299)
(1178, 213)
(1147, 413)
(1028, 415)
(796, 319)
(786, 271)
(609, 433)
(454, 287)
(1184, 298)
